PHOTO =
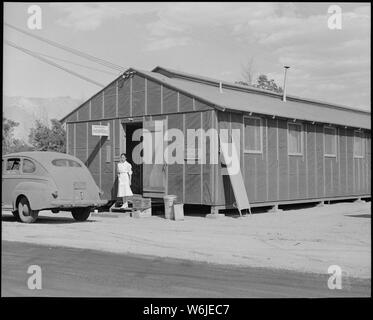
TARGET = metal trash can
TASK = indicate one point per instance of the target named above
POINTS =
(169, 206)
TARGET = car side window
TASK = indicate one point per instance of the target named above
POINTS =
(13, 165)
(73, 163)
(28, 166)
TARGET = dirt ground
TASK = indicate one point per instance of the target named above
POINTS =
(308, 240)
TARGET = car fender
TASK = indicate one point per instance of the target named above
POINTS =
(37, 193)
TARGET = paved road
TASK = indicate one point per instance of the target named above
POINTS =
(75, 272)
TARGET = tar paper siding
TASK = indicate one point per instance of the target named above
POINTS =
(141, 99)
(274, 176)
(270, 176)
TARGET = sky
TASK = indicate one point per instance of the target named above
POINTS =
(211, 39)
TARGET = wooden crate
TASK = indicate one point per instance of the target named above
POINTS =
(141, 203)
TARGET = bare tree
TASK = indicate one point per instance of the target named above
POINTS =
(247, 72)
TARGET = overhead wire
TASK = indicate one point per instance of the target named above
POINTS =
(80, 53)
(39, 57)
(75, 63)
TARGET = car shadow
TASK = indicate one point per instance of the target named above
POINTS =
(46, 220)
(366, 215)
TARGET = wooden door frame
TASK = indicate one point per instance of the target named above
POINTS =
(165, 192)
(123, 139)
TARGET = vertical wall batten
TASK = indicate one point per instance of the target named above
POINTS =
(184, 132)
(178, 101)
(339, 159)
(267, 180)
(201, 157)
(116, 99)
(278, 161)
(113, 150)
(146, 96)
(67, 138)
(231, 197)
(353, 162)
(87, 137)
(366, 164)
(323, 159)
(216, 171)
(288, 164)
(90, 110)
(346, 167)
(316, 171)
(298, 177)
(99, 161)
(306, 157)
(131, 97)
(74, 152)
(161, 98)
(243, 147)
(103, 105)
(331, 176)
(165, 126)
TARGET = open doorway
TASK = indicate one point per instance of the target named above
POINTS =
(137, 177)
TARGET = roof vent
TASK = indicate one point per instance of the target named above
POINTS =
(221, 87)
(284, 93)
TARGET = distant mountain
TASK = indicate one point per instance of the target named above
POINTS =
(27, 110)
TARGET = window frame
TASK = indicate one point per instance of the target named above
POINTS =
(261, 135)
(362, 145)
(335, 139)
(301, 139)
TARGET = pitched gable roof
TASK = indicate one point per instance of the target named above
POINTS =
(249, 99)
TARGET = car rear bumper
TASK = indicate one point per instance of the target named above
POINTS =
(80, 203)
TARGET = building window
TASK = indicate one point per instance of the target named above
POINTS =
(295, 141)
(358, 144)
(330, 142)
(253, 135)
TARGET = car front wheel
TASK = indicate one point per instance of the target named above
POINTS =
(81, 214)
(24, 212)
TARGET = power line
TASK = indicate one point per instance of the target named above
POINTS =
(75, 63)
(35, 55)
(103, 62)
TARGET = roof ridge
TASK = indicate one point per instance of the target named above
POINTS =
(234, 86)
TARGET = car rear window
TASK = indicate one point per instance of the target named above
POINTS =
(28, 166)
(65, 163)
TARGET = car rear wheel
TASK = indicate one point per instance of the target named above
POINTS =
(81, 214)
(24, 212)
